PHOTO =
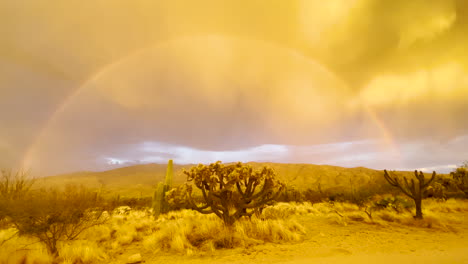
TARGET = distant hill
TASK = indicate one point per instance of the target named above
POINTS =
(140, 180)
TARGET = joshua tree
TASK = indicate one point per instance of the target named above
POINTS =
(460, 178)
(160, 205)
(230, 191)
(409, 188)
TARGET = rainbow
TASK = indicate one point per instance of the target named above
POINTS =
(29, 153)
(388, 140)
(27, 160)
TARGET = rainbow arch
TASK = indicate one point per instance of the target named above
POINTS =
(29, 153)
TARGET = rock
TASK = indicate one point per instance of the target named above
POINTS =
(135, 258)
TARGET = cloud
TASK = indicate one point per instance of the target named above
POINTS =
(423, 155)
(229, 76)
(434, 155)
(443, 82)
(442, 168)
(158, 152)
(186, 155)
(361, 38)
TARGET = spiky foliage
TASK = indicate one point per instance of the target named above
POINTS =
(160, 205)
(460, 178)
(410, 188)
(229, 192)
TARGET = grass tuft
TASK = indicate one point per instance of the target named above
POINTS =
(82, 251)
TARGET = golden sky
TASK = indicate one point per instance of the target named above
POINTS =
(94, 84)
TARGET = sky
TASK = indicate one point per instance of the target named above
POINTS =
(94, 85)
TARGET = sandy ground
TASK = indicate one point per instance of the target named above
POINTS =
(328, 242)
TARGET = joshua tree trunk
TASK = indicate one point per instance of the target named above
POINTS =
(418, 203)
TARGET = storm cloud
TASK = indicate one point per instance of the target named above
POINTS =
(84, 85)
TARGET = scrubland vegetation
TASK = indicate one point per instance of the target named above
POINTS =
(232, 207)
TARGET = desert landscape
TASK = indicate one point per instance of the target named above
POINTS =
(331, 225)
(233, 131)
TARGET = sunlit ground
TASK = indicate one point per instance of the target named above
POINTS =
(286, 233)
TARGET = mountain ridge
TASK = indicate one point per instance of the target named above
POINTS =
(140, 180)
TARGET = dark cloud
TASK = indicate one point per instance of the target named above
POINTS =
(84, 81)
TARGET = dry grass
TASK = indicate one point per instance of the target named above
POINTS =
(189, 232)
(185, 231)
(286, 210)
(437, 214)
(15, 249)
(82, 251)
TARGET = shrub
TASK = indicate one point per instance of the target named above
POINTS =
(460, 178)
(139, 203)
(13, 186)
(290, 194)
(52, 216)
(230, 192)
(313, 196)
(396, 203)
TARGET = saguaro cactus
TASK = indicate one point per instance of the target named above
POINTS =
(160, 205)
(169, 174)
(412, 190)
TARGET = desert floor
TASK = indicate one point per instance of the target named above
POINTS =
(353, 242)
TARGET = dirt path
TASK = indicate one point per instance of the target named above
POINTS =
(354, 243)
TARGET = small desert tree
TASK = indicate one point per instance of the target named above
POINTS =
(230, 191)
(13, 186)
(52, 215)
(410, 188)
(460, 178)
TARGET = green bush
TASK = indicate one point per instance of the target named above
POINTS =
(397, 203)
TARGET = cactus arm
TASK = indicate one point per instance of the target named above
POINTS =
(264, 200)
(252, 191)
(409, 188)
(201, 209)
(430, 180)
(394, 181)
(205, 209)
(239, 189)
(412, 188)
